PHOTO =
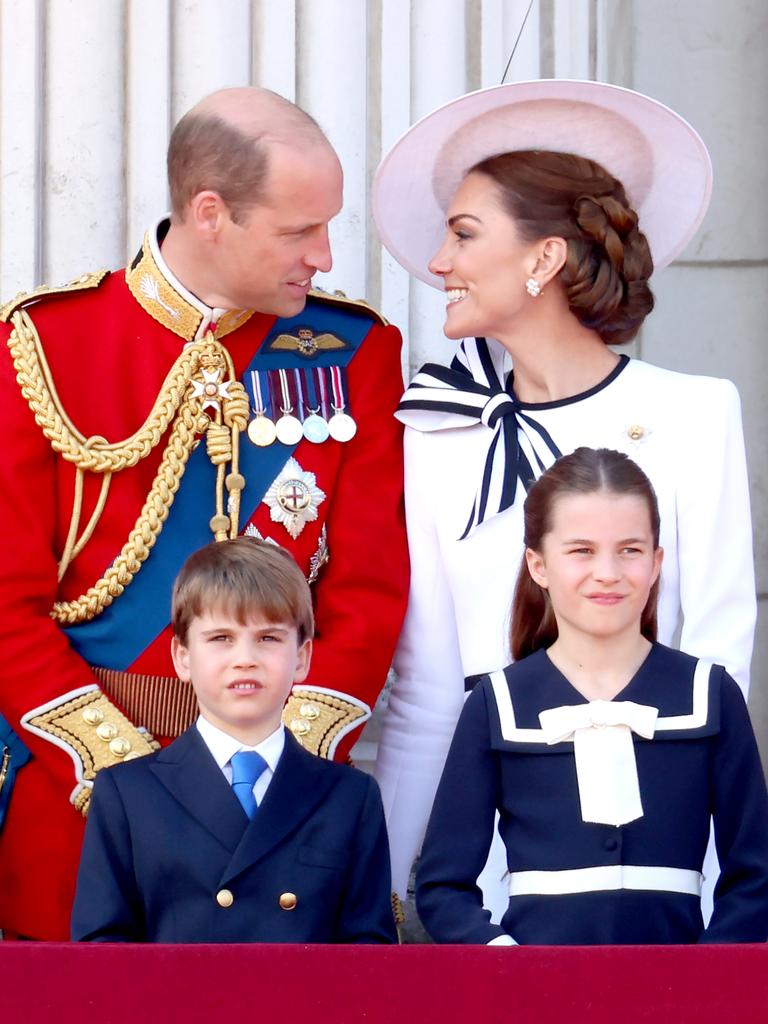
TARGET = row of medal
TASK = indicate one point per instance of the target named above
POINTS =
(296, 403)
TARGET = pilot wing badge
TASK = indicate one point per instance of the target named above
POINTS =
(306, 343)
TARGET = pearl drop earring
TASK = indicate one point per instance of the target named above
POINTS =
(533, 287)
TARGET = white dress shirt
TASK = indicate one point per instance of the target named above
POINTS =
(222, 746)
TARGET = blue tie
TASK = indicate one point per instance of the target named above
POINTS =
(247, 766)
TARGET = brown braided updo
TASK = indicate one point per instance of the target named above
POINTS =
(605, 275)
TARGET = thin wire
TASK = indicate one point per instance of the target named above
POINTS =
(506, 69)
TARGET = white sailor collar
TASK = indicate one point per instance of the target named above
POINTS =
(160, 293)
(683, 689)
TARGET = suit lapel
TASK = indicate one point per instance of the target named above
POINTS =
(300, 783)
(188, 771)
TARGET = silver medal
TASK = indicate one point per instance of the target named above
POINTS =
(316, 429)
(289, 430)
(342, 427)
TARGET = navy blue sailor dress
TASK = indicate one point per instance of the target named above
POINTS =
(576, 882)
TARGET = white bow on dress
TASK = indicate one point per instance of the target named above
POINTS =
(606, 768)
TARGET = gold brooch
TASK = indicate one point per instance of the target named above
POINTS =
(637, 433)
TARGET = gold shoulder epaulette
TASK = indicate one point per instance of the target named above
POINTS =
(319, 718)
(80, 284)
(341, 299)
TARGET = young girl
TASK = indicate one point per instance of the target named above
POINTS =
(604, 753)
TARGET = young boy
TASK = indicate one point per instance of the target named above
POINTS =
(170, 854)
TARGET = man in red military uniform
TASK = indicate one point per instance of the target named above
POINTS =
(201, 393)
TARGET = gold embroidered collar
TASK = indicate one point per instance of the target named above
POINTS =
(165, 298)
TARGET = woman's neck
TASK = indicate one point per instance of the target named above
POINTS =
(598, 667)
(555, 357)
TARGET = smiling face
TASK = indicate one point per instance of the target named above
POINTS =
(266, 259)
(242, 673)
(598, 563)
(484, 263)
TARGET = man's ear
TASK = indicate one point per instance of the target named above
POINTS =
(207, 211)
(180, 656)
(536, 567)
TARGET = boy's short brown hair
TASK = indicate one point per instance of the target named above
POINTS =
(242, 577)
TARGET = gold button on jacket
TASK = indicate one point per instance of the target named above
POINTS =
(288, 900)
(224, 898)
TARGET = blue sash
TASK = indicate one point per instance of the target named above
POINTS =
(116, 637)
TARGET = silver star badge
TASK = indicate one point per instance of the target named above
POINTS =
(293, 498)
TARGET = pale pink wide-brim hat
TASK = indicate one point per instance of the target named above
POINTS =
(658, 157)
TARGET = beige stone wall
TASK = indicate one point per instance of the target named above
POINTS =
(707, 60)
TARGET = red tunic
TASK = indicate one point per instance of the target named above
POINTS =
(108, 359)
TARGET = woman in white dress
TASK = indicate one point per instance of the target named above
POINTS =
(541, 209)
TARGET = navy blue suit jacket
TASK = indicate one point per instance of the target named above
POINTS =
(166, 835)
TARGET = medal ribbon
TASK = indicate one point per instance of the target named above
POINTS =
(259, 385)
(313, 402)
(286, 408)
(323, 387)
(337, 383)
(300, 401)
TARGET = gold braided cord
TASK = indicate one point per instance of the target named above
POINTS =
(74, 523)
(179, 402)
(150, 522)
(218, 443)
(87, 533)
(95, 454)
(235, 412)
(222, 441)
(236, 407)
(73, 545)
(235, 483)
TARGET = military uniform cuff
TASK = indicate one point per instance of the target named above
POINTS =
(92, 731)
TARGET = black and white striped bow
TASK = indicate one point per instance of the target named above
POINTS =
(471, 391)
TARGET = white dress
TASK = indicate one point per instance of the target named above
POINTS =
(684, 431)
